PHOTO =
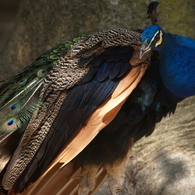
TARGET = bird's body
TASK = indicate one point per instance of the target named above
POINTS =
(86, 102)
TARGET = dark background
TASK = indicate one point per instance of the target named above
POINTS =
(8, 12)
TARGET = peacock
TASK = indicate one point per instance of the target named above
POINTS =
(70, 119)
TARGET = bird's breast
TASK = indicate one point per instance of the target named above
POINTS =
(177, 70)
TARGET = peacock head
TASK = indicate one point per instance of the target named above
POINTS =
(151, 38)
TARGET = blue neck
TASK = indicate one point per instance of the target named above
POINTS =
(177, 66)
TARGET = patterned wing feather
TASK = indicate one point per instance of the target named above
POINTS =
(81, 83)
(19, 95)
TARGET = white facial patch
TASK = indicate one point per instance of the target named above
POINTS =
(160, 38)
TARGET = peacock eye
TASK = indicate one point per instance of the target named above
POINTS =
(22, 81)
(157, 38)
(10, 125)
(11, 122)
(13, 109)
(42, 73)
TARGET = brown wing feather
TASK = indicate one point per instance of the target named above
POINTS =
(104, 114)
(61, 170)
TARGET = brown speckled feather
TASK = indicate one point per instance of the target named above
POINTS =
(101, 117)
(57, 86)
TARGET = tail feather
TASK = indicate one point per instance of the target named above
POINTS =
(62, 180)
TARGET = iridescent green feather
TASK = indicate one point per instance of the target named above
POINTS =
(19, 95)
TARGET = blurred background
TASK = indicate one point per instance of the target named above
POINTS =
(8, 13)
(36, 26)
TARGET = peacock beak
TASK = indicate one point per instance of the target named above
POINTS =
(144, 49)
